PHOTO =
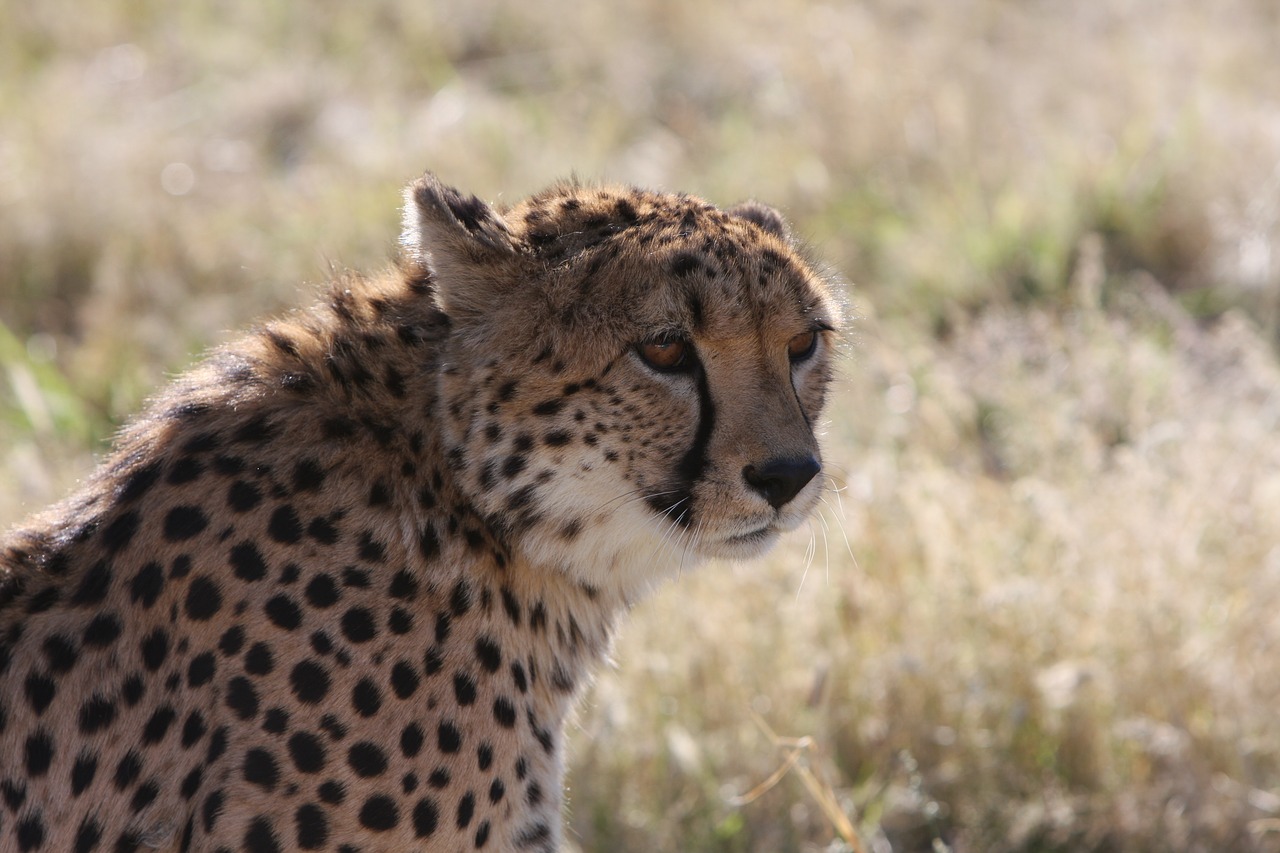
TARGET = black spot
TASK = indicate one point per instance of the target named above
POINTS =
(366, 698)
(403, 585)
(394, 381)
(404, 681)
(307, 752)
(30, 832)
(321, 642)
(82, 773)
(331, 724)
(290, 573)
(102, 631)
(247, 562)
(557, 438)
(275, 721)
(180, 568)
(444, 624)
(338, 428)
(332, 792)
(310, 682)
(482, 834)
(400, 621)
(144, 796)
(358, 626)
(428, 542)
(193, 729)
(260, 769)
(158, 725)
(191, 783)
(353, 577)
(203, 599)
(464, 688)
(323, 531)
(466, 809)
(379, 813)
(488, 653)
(504, 712)
(284, 526)
(283, 611)
(308, 476)
(538, 617)
(411, 740)
(212, 808)
(201, 669)
(232, 641)
(146, 585)
(371, 549)
(96, 714)
(39, 753)
(433, 660)
(93, 586)
(60, 653)
(185, 470)
(119, 533)
(183, 522)
(684, 264)
(259, 660)
(460, 598)
(88, 835)
(242, 697)
(256, 431)
(548, 408)
(496, 791)
(243, 496)
(260, 837)
(217, 745)
(366, 759)
(426, 817)
(43, 600)
(448, 738)
(138, 483)
(322, 592)
(311, 826)
(228, 466)
(439, 779)
(132, 689)
(512, 466)
(484, 756)
(517, 675)
(537, 835)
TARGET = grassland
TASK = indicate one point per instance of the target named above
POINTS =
(1040, 609)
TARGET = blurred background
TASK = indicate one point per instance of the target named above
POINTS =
(1040, 607)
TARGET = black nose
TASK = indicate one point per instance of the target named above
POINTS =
(780, 480)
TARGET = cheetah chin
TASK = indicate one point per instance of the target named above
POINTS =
(338, 586)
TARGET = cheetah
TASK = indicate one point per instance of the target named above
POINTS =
(338, 586)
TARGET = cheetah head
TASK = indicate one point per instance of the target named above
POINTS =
(632, 379)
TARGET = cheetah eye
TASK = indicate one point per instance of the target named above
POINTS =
(665, 356)
(802, 345)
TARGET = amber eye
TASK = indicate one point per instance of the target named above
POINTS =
(802, 345)
(666, 355)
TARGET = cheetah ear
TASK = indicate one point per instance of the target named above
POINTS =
(463, 242)
(764, 216)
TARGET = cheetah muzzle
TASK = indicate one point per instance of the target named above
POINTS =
(337, 587)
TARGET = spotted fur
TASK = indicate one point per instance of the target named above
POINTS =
(337, 587)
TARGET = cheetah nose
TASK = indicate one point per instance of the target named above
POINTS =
(780, 480)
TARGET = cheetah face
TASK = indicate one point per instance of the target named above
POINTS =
(632, 380)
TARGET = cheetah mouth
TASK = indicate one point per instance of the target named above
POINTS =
(753, 536)
(745, 545)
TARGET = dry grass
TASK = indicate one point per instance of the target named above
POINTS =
(1039, 611)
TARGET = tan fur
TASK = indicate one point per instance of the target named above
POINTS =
(340, 583)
